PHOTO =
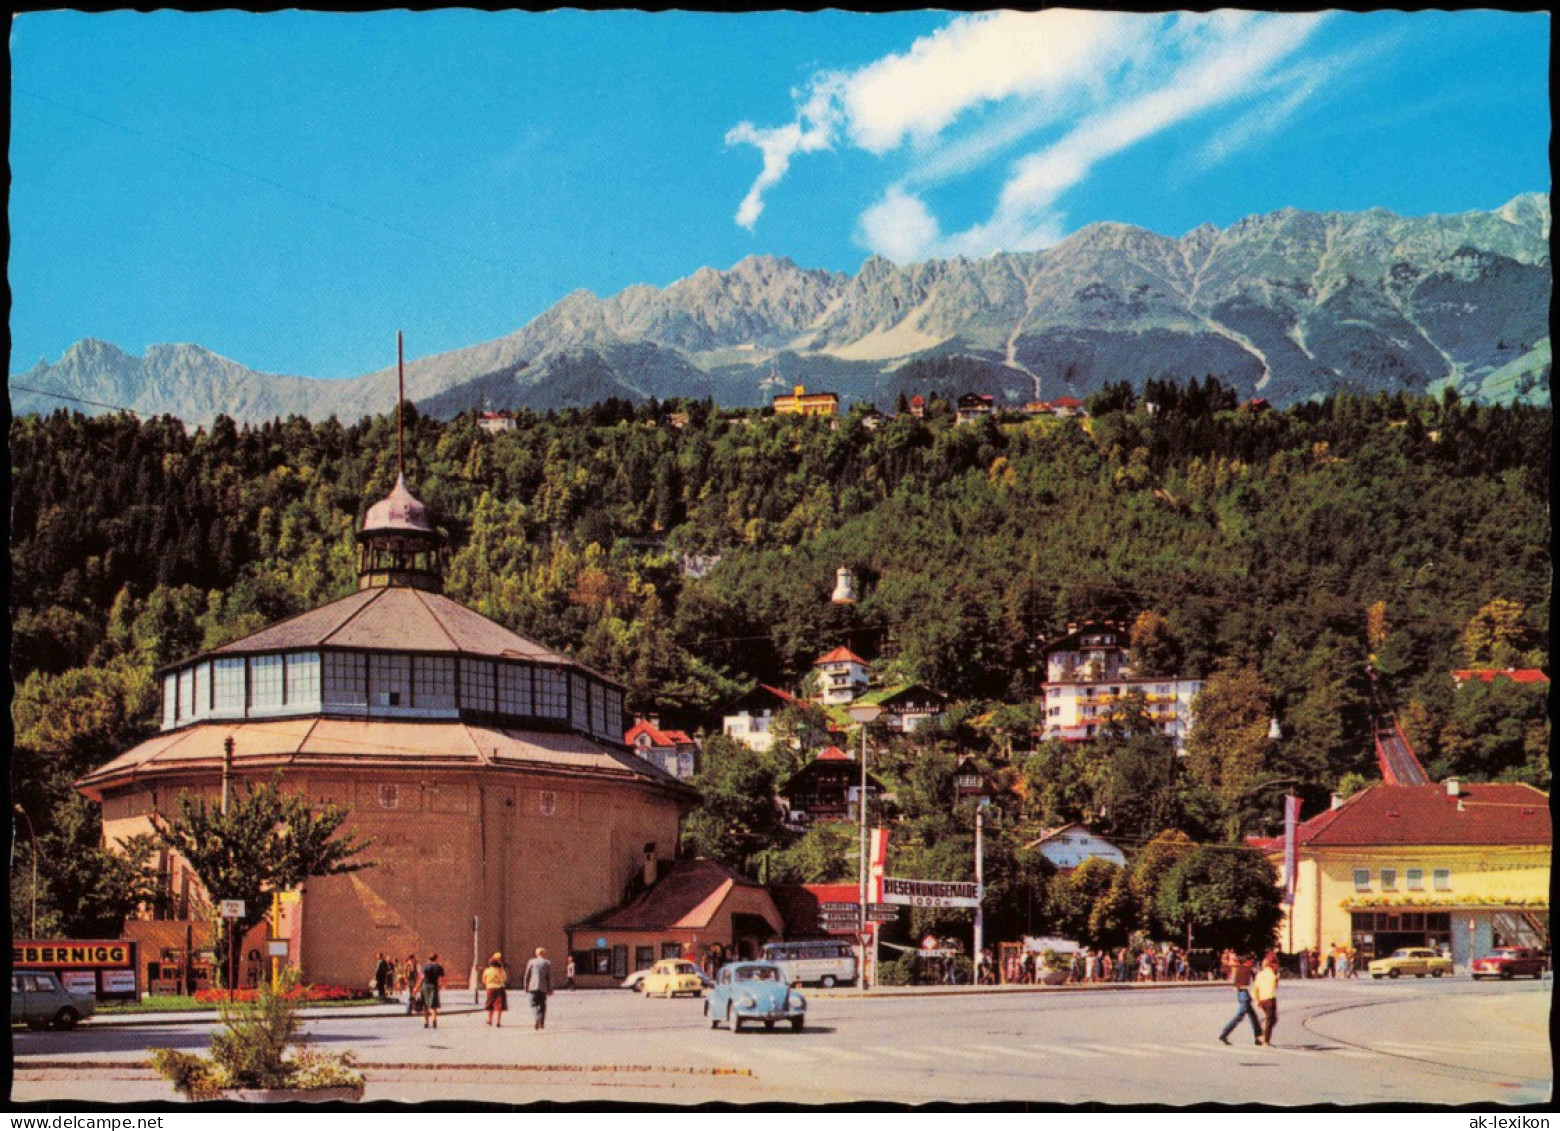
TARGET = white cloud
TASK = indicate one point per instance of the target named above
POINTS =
(960, 97)
(975, 60)
(899, 226)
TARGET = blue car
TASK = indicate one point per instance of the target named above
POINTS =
(754, 991)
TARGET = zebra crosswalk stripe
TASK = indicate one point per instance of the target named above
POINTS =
(1054, 1049)
(902, 1054)
(967, 1054)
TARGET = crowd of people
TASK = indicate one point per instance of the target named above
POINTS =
(1092, 966)
(422, 982)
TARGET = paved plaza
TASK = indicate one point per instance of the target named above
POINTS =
(1354, 1042)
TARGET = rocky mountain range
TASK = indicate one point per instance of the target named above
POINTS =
(1288, 305)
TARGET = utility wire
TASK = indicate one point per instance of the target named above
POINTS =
(75, 400)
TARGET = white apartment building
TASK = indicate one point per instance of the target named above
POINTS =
(1089, 675)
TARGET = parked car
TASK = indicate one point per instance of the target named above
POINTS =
(1510, 961)
(39, 1001)
(672, 976)
(1415, 960)
(754, 991)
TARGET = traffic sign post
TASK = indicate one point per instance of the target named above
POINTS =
(839, 917)
(231, 910)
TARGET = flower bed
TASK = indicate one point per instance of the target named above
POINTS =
(296, 993)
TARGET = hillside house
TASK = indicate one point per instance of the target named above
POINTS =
(974, 406)
(918, 406)
(751, 716)
(799, 402)
(907, 707)
(1088, 677)
(495, 422)
(825, 789)
(842, 677)
(1067, 846)
(672, 750)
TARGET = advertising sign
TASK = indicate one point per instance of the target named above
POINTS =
(931, 893)
(119, 981)
(83, 982)
(851, 907)
(232, 908)
(276, 948)
(58, 954)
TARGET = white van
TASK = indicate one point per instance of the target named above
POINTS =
(822, 962)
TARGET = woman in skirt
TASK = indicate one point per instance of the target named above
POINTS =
(494, 979)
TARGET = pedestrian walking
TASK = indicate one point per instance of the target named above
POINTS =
(538, 983)
(1330, 966)
(568, 973)
(1304, 959)
(1241, 977)
(384, 970)
(409, 979)
(494, 980)
(1265, 990)
(428, 983)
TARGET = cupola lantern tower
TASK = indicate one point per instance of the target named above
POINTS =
(398, 545)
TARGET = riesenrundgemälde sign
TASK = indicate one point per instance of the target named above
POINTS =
(931, 893)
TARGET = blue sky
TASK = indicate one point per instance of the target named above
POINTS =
(289, 189)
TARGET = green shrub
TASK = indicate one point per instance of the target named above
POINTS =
(253, 1046)
(251, 1051)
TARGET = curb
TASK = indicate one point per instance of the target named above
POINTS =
(199, 1016)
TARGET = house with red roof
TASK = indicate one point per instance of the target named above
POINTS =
(694, 909)
(825, 789)
(1459, 864)
(918, 405)
(672, 750)
(842, 676)
(1068, 406)
(749, 719)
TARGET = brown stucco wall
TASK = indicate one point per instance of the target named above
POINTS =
(458, 843)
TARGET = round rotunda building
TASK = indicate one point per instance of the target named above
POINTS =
(489, 770)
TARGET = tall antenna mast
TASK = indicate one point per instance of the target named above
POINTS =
(400, 398)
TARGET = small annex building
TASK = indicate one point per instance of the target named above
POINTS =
(695, 909)
(488, 770)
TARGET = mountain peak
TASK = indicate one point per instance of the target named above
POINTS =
(1287, 305)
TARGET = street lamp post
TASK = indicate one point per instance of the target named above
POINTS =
(32, 840)
(862, 714)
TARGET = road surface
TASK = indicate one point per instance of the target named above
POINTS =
(1344, 1042)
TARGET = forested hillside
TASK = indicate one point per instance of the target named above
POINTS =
(1284, 552)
